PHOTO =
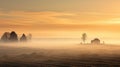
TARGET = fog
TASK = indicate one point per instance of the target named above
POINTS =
(59, 52)
(70, 46)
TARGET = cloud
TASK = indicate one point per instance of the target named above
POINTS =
(35, 17)
(54, 20)
(27, 17)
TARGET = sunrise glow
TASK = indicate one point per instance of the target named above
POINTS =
(67, 19)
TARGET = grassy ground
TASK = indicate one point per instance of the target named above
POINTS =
(62, 56)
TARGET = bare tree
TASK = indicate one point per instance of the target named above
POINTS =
(84, 37)
(29, 36)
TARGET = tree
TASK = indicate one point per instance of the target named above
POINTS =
(84, 37)
(23, 38)
(29, 36)
(5, 37)
(13, 36)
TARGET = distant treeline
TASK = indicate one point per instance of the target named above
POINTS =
(13, 37)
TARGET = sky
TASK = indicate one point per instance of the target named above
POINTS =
(61, 18)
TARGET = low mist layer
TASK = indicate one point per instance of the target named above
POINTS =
(45, 53)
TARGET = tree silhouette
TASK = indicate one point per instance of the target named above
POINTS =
(5, 37)
(13, 36)
(29, 36)
(84, 37)
(23, 38)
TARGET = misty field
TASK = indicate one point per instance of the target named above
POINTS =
(47, 55)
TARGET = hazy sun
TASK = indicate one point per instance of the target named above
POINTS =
(114, 21)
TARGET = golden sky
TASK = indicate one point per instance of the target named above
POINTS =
(61, 18)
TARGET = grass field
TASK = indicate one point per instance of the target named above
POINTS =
(22, 55)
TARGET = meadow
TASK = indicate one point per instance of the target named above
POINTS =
(37, 54)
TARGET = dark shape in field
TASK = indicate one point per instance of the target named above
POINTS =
(23, 38)
(13, 37)
(95, 41)
(5, 37)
